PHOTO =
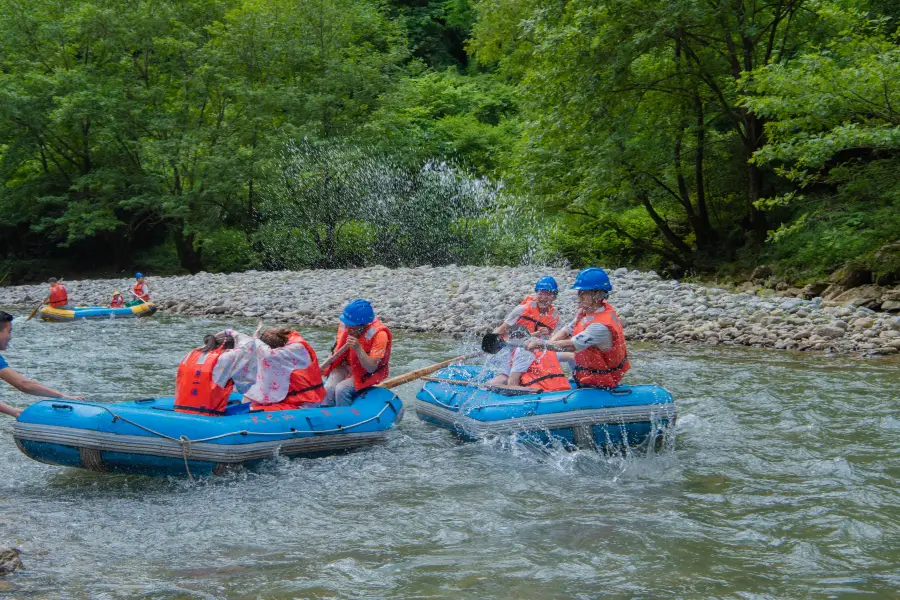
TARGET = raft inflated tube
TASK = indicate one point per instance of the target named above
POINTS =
(587, 418)
(148, 437)
(97, 312)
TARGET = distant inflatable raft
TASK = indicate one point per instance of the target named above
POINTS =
(97, 312)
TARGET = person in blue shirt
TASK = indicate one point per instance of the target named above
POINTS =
(21, 383)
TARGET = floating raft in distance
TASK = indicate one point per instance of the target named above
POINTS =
(586, 418)
(97, 312)
(148, 437)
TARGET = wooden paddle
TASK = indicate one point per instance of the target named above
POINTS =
(35, 311)
(419, 373)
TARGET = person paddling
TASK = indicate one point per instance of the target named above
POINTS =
(595, 340)
(58, 296)
(141, 289)
(24, 385)
(360, 356)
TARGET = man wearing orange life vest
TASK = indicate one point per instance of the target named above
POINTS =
(207, 376)
(141, 289)
(287, 372)
(360, 357)
(537, 316)
(595, 340)
(58, 296)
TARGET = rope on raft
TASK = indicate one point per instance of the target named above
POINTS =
(186, 442)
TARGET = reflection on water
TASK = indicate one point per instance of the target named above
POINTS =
(783, 484)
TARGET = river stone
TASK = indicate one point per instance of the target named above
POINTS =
(829, 332)
(890, 305)
(9, 560)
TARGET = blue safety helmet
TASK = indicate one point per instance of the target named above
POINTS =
(138, 275)
(592, 278)
(358, 312)
(546, 283)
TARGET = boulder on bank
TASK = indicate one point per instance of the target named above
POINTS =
(9, 560)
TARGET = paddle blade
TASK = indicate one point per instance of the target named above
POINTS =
(492, 343)
(34, 312)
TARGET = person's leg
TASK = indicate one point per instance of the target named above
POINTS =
(344, 392)
(338, 375)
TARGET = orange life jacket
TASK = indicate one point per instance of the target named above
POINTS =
(546, 373)
(138, 290)
(362, 379)
(117, 302)
(195, 390)
(306, 387)
(58, 295)
(594, 367)
(532, 318)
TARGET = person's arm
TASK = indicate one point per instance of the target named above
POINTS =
(510, 320)
(29, 386)
(370, 362)
(563, 333)
(12, 411)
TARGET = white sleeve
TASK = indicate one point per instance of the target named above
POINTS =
(522, 359)
(596, 334)
(514, 315)
(570, 327)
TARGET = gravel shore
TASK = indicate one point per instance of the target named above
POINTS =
(466, 300)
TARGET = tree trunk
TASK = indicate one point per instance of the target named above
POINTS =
(188, 256)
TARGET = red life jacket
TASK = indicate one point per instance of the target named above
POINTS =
(195, 390)
(362, 379)
(594, 367)
(59, 296)
(532, 318)
(546, 373)
(306, 387)
(117, 302)
(138, 290)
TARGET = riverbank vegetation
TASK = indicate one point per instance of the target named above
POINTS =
(690, 137)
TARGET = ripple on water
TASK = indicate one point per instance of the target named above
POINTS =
(782, 483)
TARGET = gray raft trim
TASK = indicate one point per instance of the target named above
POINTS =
(565, 420)
(200, 451)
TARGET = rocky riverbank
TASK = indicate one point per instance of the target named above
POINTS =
(466, 300)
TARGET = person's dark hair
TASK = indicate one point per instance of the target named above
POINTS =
(51, 280)
(211, 342)
(275, 338)
(5, 317)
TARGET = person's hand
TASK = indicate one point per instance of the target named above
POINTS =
(68, 397)
(534, 345)
(259, 327)
(543, 332)
(352, 343)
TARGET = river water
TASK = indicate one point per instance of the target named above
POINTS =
(783, 483)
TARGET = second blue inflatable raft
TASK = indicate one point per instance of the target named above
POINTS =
(149, 437)
(587, 418)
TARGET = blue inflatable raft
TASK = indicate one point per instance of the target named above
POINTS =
(145, 309)
(148, 437)
(586, 418)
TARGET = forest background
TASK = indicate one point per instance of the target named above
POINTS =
(695, 137)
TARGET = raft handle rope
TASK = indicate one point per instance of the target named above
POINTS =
(186, 442)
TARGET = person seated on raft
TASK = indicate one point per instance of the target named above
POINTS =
(535, 315)
(595, 340)
(208, 375)
(16, 380)
(534, 369)
(117, 300)
(287, 372)
(360, 355)
(58, 296)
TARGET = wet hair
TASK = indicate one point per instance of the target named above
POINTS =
(275, 338)
(5, 318)
(211, 342)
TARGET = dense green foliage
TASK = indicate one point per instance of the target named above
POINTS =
(230, 134)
